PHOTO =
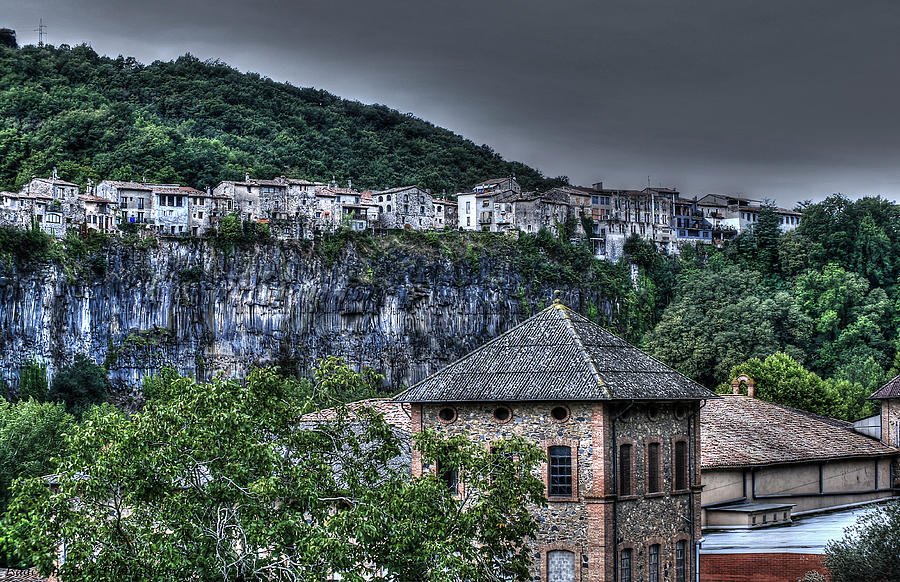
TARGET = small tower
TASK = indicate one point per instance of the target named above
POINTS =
(620, 431)
(889, 395)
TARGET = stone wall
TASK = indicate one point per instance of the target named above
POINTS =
(660, 518)
(597, 524)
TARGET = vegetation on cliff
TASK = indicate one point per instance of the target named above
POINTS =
(198, 123)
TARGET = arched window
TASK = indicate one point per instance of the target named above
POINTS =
(560, 566)
(560, 472)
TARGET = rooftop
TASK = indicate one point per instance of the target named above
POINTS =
(555, 355)
(889, 390)
(740, 431)
(808, 535)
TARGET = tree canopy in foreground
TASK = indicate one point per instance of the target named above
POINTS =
(233, 480)
(870, 550)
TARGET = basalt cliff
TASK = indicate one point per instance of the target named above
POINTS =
(208, 310)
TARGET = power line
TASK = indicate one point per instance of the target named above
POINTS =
(40, 30)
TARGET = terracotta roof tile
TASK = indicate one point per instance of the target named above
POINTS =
(739, 431)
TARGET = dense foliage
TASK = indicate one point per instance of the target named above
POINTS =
(202, 122)
(815, 313)
(234, 480)
(870, 550)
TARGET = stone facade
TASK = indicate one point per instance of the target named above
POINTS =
(408, 207)
(593, 527)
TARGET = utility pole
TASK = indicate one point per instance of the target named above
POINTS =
(40, 30)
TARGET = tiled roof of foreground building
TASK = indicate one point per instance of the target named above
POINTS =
(889, 390)
(555, 355)
(740, 431)
(12, 575)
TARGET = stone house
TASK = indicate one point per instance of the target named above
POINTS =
(736, 214)
(764, 463)
(508, 184)
(445, 214)
(329, 213)
(15, 209)
(691, 227)
(889, 417)
(171, 206)
(134, 200)
(530, 211)
(55, 204)
(247, 195)
(100, 214)
(407, 207)
(621, 434)
(644, 213)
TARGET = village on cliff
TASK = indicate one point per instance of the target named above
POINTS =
(300, 209)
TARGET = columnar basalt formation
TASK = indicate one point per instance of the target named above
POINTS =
(206, 310)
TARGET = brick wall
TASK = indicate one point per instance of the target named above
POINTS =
(759, 567)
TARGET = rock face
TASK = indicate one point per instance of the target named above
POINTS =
(206, 311)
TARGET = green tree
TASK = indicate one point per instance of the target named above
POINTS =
(781, 379)
(868, 550)
(719, 318)
(80, 385)
(235, 480)
(31, 436)
(33, 381)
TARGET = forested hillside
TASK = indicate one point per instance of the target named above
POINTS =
(812, 315)
(198, 123)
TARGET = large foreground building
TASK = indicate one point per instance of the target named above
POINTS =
(621, 434)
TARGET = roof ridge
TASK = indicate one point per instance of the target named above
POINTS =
(472, 353)
(601, 383)
(629, 344)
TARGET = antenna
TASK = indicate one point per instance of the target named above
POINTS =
(40, 30)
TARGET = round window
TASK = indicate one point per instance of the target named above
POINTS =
(447, 414)
(681, 411)
(559, 413)
(653, 412)
(502, 413)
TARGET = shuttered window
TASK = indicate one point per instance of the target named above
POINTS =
(681, 466)
(625, 470)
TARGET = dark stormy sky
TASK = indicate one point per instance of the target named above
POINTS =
(781, 99)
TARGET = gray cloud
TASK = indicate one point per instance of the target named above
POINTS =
(790, 100)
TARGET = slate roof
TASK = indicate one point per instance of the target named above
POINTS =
(555, 355)
(739, 431)
(13, 575)
(889, 390)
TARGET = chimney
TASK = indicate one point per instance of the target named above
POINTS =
(246, 177)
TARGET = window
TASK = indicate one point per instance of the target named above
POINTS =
(625, 565)
(502, 414)
(560, 566)
(653, 563)
(625, 470)
(450, 477)
(447, 414)
(468, 206)
(560, 472)
(681, 466)
(559, 413)
(653, 468)
(680, 561)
